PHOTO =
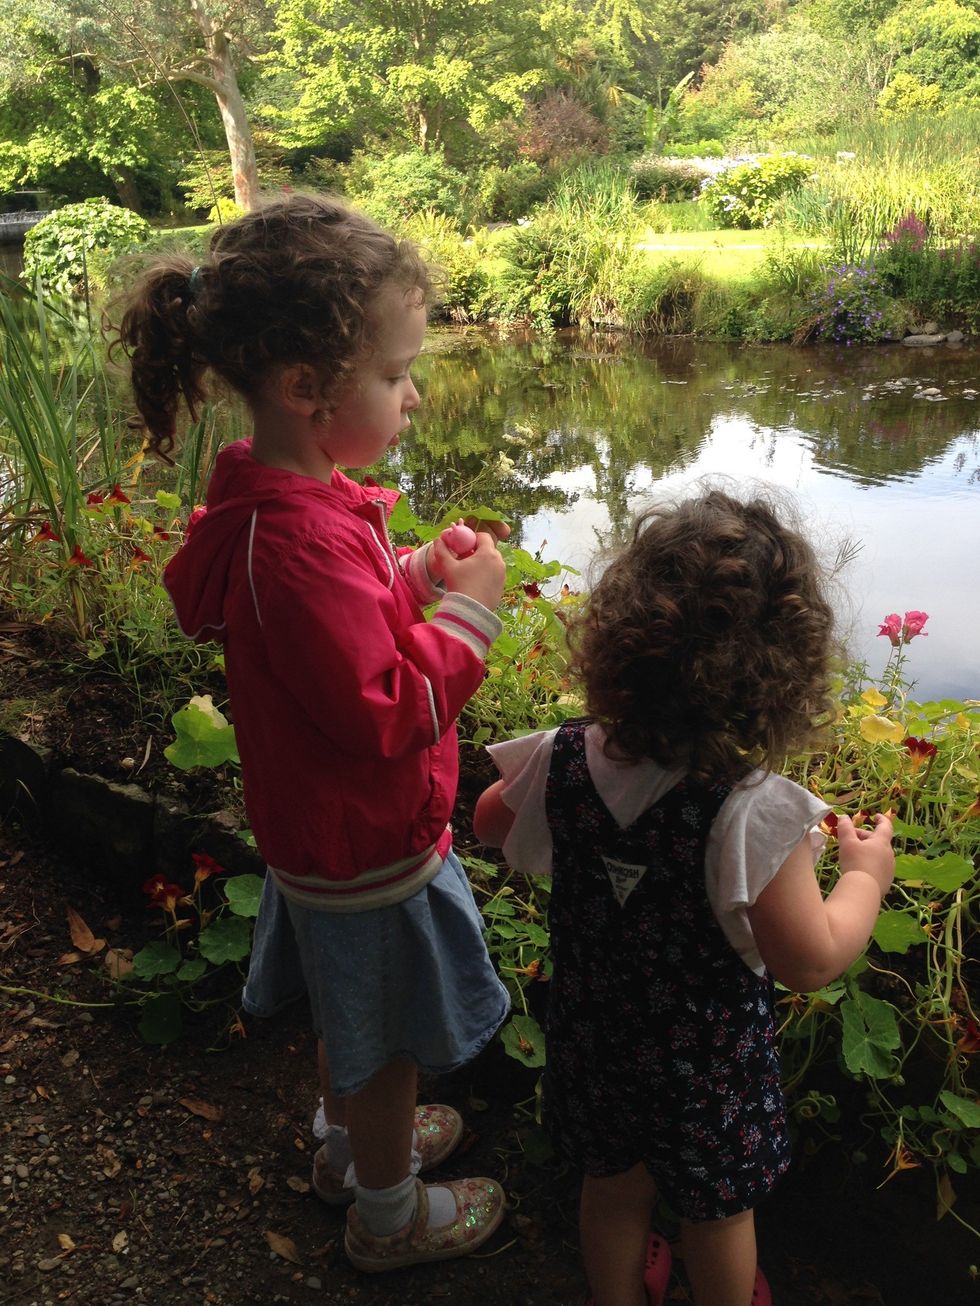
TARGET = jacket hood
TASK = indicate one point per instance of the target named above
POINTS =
(196, 578)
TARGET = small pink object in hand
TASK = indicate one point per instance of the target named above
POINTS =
(460, 539)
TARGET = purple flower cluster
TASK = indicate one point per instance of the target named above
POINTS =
(853, 306)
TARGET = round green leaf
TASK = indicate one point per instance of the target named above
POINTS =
(229, 939)
(162, 1020)
(524, 1040)
(897, 931)
(243, 893)
(155, 959)
(191, 971)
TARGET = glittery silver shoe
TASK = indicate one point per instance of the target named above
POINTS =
(479, 1211)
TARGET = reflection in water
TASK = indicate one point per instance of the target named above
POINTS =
(878, 445)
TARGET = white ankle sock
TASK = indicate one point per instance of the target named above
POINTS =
(337, 1142)
(386, 1210)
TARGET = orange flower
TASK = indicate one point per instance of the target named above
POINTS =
(78, 558)
(116, 495)
(969, 1040)
(139, 557)
(45, 533)
(920, 750)
(205, 866)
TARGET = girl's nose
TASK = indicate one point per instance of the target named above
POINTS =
(412, 399)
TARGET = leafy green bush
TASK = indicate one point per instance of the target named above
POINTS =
(392, 188)
(933, 279)
(706, 149)
(666, 179)
(745, 196)
(72, 248)
(507, 193)
(460, 276)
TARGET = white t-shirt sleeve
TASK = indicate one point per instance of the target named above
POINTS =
(759, 824)
(523, 764)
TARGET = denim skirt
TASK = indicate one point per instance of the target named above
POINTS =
(413, 979)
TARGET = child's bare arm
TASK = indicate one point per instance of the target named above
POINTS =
(492, 818)
(807, 940)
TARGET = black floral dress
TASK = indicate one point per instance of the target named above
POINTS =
(661, 1041)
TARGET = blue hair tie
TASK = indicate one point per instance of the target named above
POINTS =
(194, 280)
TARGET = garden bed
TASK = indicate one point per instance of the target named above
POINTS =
(135, 1173)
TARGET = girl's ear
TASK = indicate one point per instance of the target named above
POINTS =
(298, 387)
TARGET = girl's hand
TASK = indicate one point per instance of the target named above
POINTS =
(479, 576)
(867, 850)
(498, 529)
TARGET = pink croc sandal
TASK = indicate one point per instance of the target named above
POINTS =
(656, 1272)
(761, 1296)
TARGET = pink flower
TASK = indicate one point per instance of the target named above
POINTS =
(914, 623)
(892, 627)
(900, 631)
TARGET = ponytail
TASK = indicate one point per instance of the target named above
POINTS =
(166, 361)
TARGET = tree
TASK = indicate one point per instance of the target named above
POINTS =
(414, 73)
(144, 44)
(937, 44)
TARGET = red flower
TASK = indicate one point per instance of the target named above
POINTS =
(139, 556)
(166, 895)
(829, 824)
(154, 885)
(969, 1041)
(160, 533)
(45, 533)
(920, 750)
(78, 558)
(94, 499)
(532, 589)
(205, 866)
(116, 495)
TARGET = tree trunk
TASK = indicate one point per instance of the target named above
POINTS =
(238, 134)
(126, 189)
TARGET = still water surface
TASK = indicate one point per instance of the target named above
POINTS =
(590, 429)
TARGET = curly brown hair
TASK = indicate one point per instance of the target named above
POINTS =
(294, 281)
(707, 643)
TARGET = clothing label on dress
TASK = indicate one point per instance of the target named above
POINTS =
(623, 876)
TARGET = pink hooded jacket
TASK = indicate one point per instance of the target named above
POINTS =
(343, 697)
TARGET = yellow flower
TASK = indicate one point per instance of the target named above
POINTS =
(874, 698)
(878, 729)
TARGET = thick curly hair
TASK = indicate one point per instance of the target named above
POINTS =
(707, 643)
(292, 282)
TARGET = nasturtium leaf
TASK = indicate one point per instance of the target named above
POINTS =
(870, 1034)
(204, 736)
(897, 931)
(243, 893)
(162, 1019)
(536, 935)
(191, 971)
(906, 831)
(956, 1162)
(155, 959)
(965, 1109)
(167, 500)
(403, 520)
(505, 929)
(945, 873)
(499, 907)
(229, 939)
(523, 1039)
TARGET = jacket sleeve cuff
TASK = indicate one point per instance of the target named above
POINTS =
(415, 569)
(469, 621)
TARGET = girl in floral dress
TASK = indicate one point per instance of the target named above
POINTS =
(683, 885)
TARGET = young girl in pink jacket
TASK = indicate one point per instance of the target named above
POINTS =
(344, 698)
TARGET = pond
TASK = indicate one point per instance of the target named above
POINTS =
(876, 446)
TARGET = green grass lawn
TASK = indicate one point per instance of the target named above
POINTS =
(728, 255)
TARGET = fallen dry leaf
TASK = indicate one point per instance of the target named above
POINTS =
(283, 1246)
(118, 962)
(255, 1181)
(297, 1185)
(69, 958)
(81, 935)
(120, 1241)
(66, 1241)
(199, 1108)
(70, 1058)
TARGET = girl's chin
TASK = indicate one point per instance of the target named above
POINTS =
(394, 441)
